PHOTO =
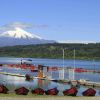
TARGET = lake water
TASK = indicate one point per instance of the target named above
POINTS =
(13, 82)
(56, 62)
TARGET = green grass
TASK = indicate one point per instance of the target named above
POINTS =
(45, 97)
(27, 96)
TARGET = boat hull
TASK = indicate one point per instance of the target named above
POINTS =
(70, 92)
(53, 91)
(89, 92)
(22, 91)
(3, 89)
(38, 91)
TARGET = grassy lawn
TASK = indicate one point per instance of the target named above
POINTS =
(13, 96)
(27, 96)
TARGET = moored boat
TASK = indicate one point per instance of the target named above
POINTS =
(3, 89)
(70, 92)
(38, 91)
(22, 91)
(53, 91)
(28, 77)
(89, 92)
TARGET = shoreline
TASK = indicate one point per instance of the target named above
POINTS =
(13, 95)
(54, 58)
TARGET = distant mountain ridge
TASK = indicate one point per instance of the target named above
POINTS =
(19, 36)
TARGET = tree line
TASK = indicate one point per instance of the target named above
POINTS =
(82, 51)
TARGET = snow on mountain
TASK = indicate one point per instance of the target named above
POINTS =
(20, 37)
(19, 33)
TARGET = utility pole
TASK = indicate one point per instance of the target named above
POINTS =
(63, 63)
(61, 72)
(94, 65)
(74, 66)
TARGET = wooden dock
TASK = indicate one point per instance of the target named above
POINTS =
(82, 83)
(11, 74)
(90, 83)
(20, 75)
(75, 82)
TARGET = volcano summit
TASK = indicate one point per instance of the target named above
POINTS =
(19, 36)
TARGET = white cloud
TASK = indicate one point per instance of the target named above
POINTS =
(15, 24)
(20, 25)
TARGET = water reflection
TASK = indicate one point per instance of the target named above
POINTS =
(13, 82)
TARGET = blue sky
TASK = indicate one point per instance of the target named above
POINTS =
(59, 19)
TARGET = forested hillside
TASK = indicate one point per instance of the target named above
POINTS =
(83, 51)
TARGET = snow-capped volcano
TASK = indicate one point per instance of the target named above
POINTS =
(19, 33)
(19, 36)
